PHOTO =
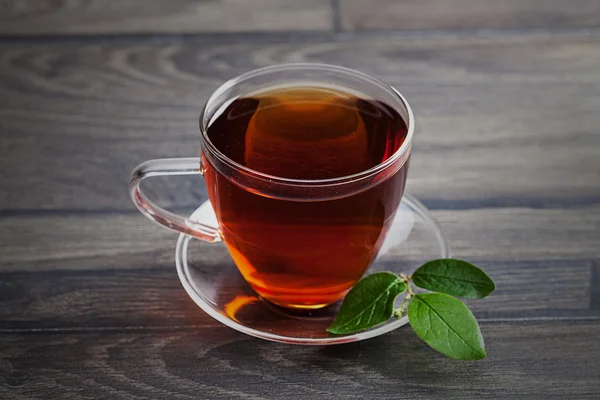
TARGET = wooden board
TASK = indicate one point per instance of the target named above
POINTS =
(468, 14)
(117, 270)
(496, 124)
(505, 154)
(148, 298)
(526, 360)
(85, 17)
(77, 241)
(81, 17)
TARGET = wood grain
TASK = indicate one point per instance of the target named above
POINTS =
(506, 154)
(468, 14)
(77, 241)
(31, 17)
(531, 360)
(511, 119)
(102, 299)
(149, 298)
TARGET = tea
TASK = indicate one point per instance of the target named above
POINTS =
(305, 254)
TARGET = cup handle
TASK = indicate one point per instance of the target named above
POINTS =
(164, 167)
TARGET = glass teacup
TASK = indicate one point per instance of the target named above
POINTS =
(305, 166)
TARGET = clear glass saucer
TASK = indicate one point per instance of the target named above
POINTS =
(212, 280)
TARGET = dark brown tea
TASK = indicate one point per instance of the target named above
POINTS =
(305, 254)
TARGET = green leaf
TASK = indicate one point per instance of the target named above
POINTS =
(455, 277)
(369, 303)
(446, 324)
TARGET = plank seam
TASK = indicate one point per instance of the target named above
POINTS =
(592, 318)
(287, 36)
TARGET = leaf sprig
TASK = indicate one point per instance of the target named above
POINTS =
(442, 321)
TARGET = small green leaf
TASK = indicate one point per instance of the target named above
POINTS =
(370, 302)
(446, 324)
(455, 277)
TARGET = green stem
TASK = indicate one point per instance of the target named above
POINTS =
(398, 312)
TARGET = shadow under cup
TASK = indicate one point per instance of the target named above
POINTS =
(303, 243)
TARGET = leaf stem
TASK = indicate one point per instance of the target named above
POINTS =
(398, 312)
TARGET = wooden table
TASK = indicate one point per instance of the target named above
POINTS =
(507, 155)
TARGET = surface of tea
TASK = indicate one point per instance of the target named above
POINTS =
(307, 133)
(305, 254)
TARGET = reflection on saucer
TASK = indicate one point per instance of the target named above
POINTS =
(404, 220)
(205, 214)
(237, 304)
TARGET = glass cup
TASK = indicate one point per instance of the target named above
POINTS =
(298, 243)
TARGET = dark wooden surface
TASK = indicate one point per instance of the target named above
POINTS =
(507, 98)
(73, 17)
(469, 14)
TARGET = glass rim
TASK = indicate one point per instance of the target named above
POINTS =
(382, 166)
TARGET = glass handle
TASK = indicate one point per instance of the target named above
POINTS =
(164, 167)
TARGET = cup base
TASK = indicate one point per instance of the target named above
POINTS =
(295, 306)
(214, 283)
(303, 301)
